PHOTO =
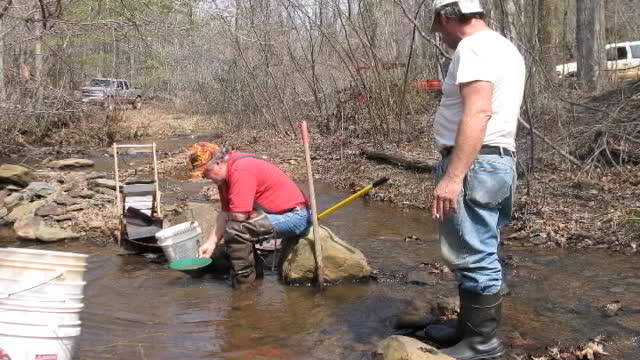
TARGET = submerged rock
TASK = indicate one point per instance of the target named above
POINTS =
(341, 261)
(406, 348)
(34, 228)
(14, 174)
(70, 163)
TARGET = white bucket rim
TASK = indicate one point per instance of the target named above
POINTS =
(44, 252)
(39, 267)
(77, 323)
(164, 236)
(28, 262)
(55, 282)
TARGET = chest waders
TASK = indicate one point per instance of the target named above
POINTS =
(241, 237)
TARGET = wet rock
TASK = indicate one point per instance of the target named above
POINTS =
(14, 200)
(42, 189)
(341, 261)
(518, 235)
(406, 348)
(70, 163)
(105, 191)
(50, 209)
(102, 183)
(81, 193)
(539, 239)
(612, 309)
(421, 276)
(77, 207)
(14, 174)
(34, 228)
(66, 200)
(446, 307)
(24, 210)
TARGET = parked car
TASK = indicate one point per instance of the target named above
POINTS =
(109, 92)
(623, 61)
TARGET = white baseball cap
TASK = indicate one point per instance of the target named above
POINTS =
(466, 6)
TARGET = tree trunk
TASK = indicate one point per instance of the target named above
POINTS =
(3, 93)
(38, 63)
(550, 30)
(590, 42)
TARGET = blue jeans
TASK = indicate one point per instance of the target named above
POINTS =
(291, 224)
(469, 239)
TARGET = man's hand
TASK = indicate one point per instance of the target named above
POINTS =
(206, 250)
(445, 197)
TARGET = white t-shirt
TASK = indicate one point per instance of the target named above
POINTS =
(487, 56)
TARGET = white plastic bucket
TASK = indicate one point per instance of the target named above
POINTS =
(180, 241)
(31, 342)
(11, 298)
(44, 256)
(16, 270)
(34, 262)
(40, 313)
(42, 287)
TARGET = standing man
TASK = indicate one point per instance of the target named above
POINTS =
(475, 129)
(259, 203)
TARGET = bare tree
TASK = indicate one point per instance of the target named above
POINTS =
(590, 42)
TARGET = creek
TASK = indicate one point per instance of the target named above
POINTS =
(136, 308)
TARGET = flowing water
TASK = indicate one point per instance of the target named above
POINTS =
(138, 309)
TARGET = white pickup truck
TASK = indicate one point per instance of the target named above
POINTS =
(623, 62)
(109, 92)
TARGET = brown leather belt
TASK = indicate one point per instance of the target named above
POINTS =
(484, 150)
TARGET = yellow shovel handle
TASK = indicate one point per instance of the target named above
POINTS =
(352, 197)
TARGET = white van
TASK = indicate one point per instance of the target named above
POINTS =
(623, 60)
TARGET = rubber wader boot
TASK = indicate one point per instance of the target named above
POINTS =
(480, 316)
(240, 238)
(448, 335)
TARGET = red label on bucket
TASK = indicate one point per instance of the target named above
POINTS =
(46, 357)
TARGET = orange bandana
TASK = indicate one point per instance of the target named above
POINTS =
(199, 155)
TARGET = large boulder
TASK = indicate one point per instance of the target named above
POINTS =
(14, 174)
(34, 228)
(70, 163)
(341, 261)
(406, 348)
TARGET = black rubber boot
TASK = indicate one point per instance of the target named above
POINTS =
(450, 334)
(479, 318)
(443, 334)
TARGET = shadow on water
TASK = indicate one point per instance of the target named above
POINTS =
(136, 309)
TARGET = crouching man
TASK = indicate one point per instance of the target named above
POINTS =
(259, 203)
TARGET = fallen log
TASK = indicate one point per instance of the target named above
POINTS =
(397, 159)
